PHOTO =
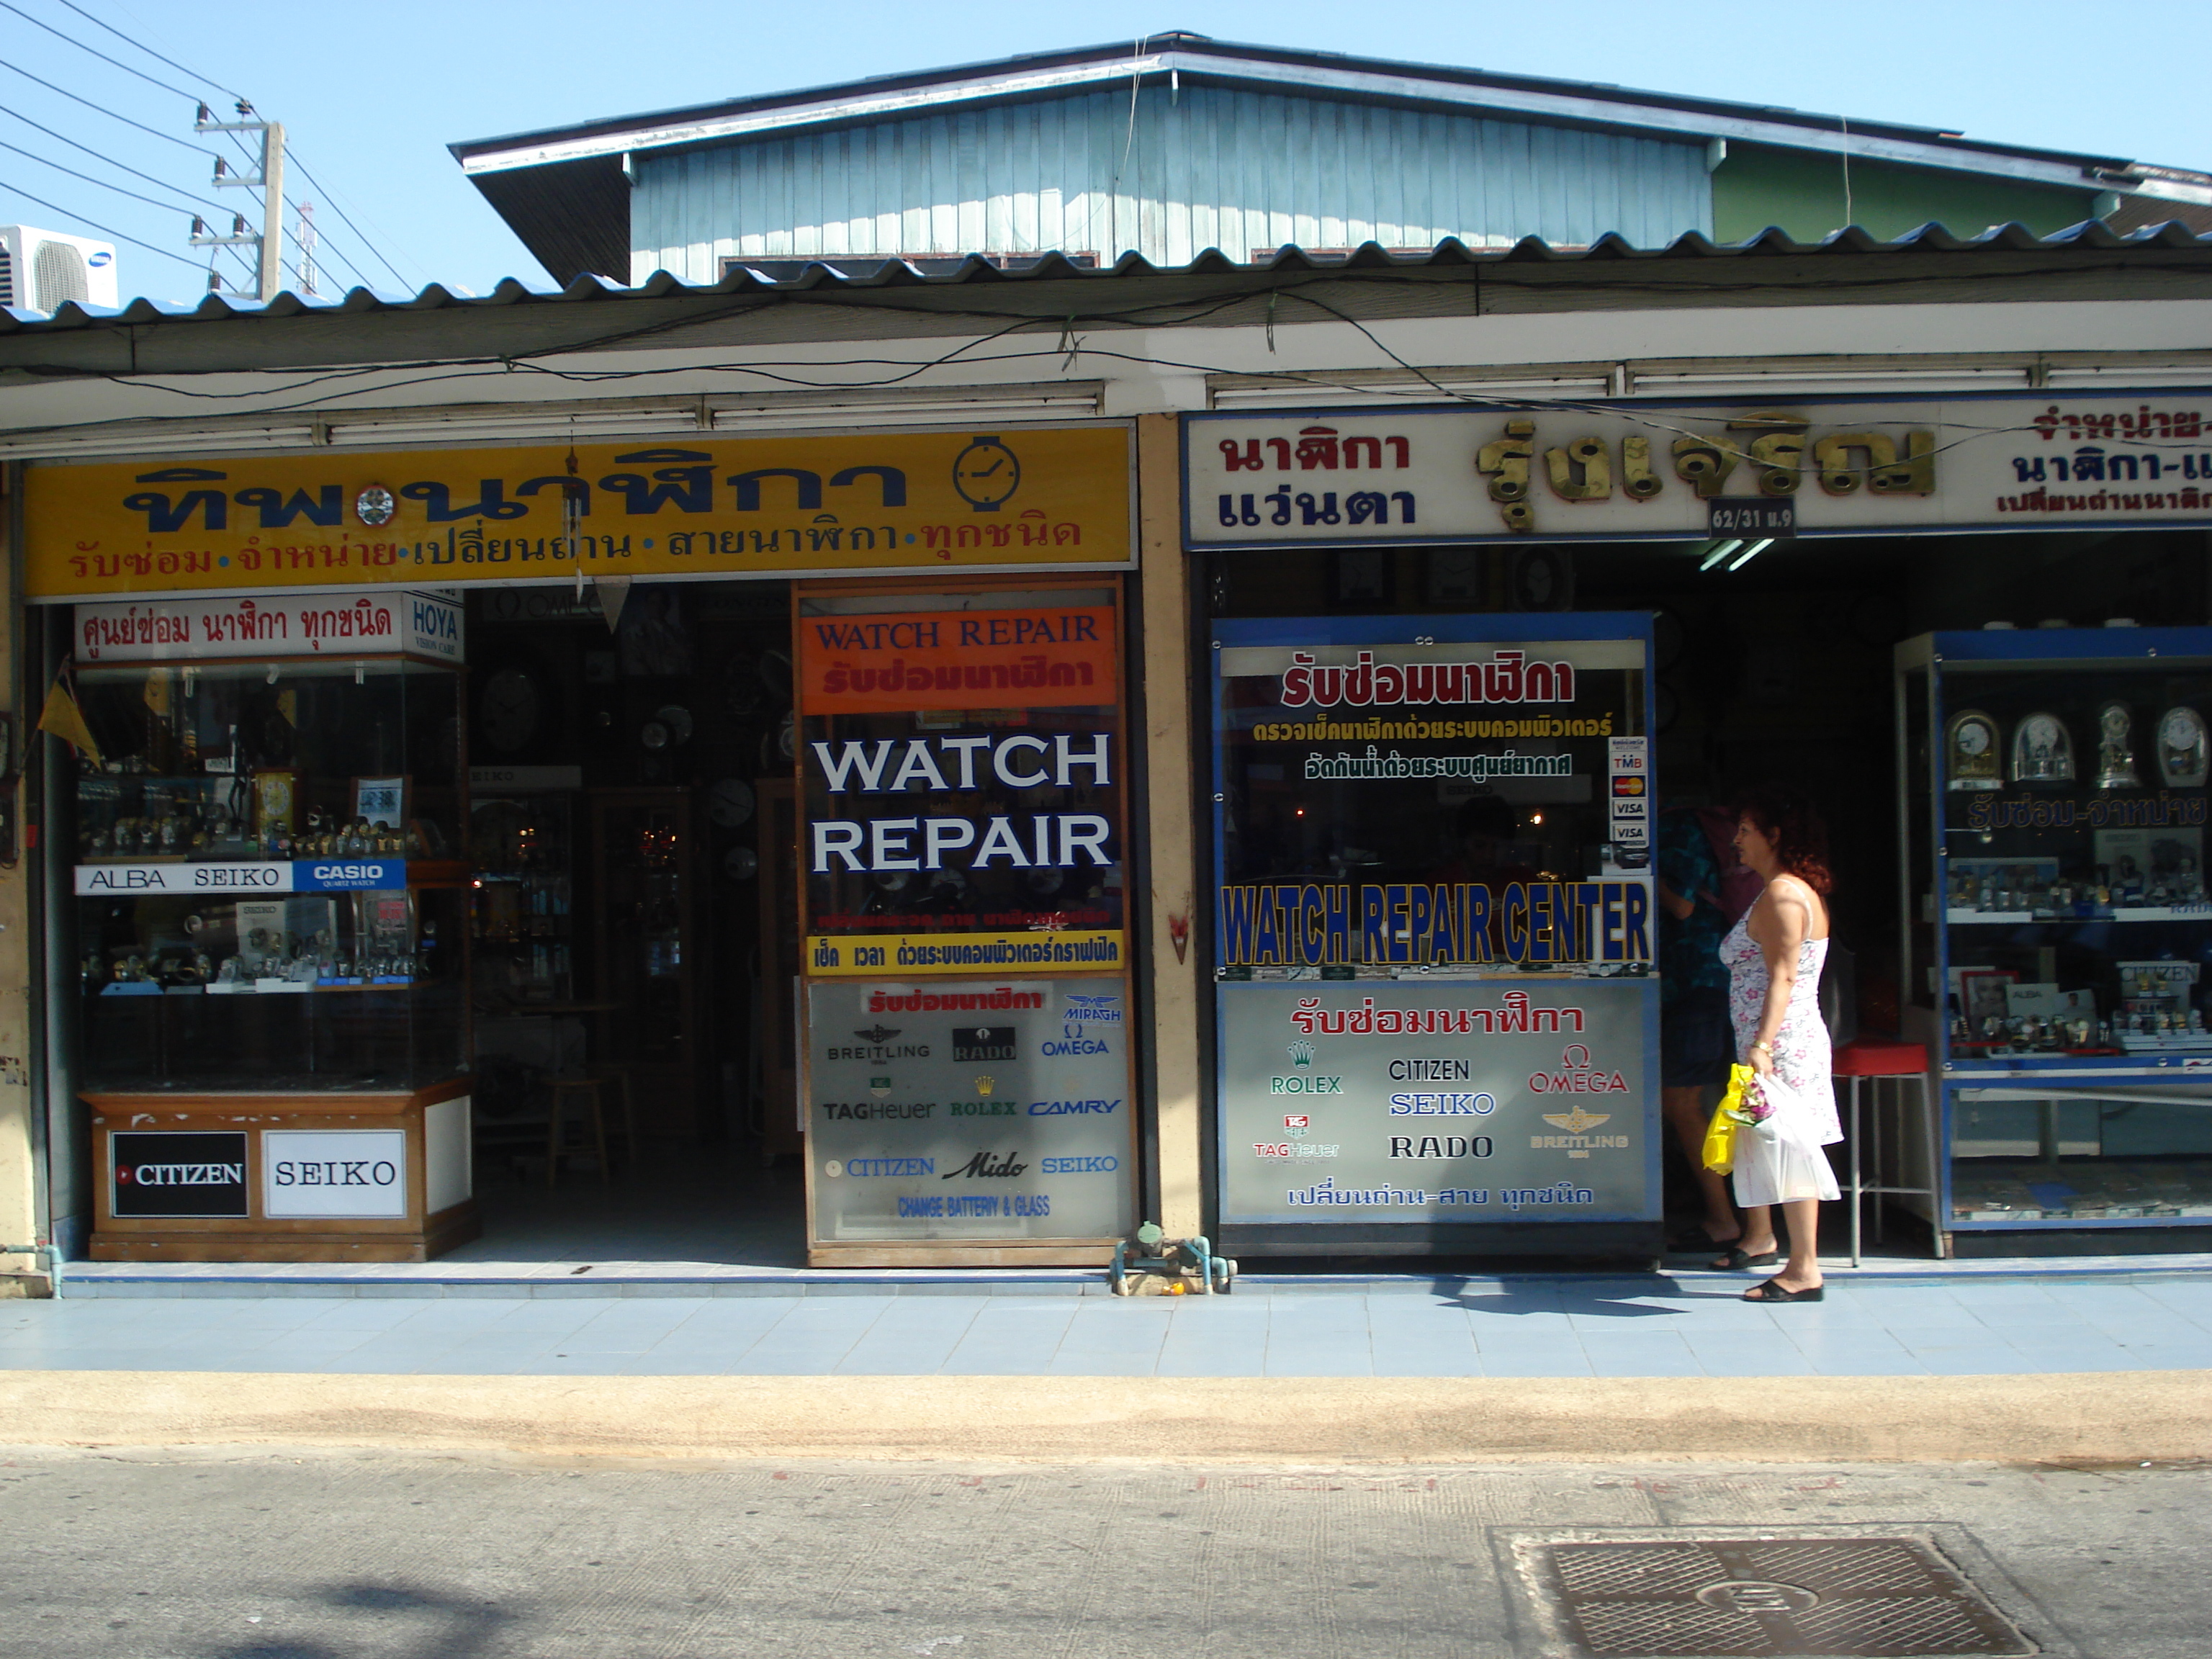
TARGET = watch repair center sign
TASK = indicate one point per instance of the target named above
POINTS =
(1471, 1101)
(1014, 499)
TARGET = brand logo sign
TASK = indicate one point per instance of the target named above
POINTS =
(975, 1043)
(355, 1173)
(1072, 1107)
(988, 1166)
(1440, 1146)
(190, 1172)
(1300, 1083)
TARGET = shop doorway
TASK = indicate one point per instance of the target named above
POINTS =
(633, 928)
(1779, 670)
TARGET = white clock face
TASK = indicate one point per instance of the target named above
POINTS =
(1973, 739)
(2042, 732)
(2177, 731)
(509, 709)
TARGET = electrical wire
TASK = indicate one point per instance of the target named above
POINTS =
(167, 207)
(97, 155)
(237, 139)
(165, 136)
(338, 208)
(192, 74)
(101, 228)
(96, 52)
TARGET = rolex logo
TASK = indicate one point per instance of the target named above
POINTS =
(984, 1085)
(1302, 1054)
(1577, 1122)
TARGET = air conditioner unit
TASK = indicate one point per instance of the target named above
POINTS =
(43, 270)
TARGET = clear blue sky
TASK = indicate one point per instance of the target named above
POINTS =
(371, 93)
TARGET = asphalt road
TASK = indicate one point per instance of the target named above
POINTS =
(148, 1553)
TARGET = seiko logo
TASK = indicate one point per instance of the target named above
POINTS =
(335, 1172)
(1070, 1108)
(1478, 1105)
(1080, 1165)
(989, 1166)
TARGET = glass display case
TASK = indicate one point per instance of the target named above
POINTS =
(648, 974)
(522, 888)
(266, 893)
(2057, 922)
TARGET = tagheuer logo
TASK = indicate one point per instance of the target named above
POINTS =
(975, 1043)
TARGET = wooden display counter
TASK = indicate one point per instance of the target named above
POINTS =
(282, 1176)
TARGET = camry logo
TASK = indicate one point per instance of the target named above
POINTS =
(878, 1034)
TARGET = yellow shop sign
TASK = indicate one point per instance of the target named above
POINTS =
(906, 501)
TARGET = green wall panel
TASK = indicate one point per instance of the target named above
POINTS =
(1804, 193)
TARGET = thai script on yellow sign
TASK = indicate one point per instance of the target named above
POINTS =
(713, 506)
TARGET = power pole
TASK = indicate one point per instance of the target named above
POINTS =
(304, 238)
(271, 184)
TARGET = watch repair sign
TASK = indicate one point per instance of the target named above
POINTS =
(962, 774)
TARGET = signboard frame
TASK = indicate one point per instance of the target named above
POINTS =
(1512, 471)
(1631, 1220)
(944, 987)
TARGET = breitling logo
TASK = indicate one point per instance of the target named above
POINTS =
(1577, 1122)
(878, 1034)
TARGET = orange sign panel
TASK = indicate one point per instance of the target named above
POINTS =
(1051, 657)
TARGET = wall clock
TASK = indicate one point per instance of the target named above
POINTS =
(510, 708)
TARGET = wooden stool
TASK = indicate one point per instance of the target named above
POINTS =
(1875, 1061)
(589, 1088)
(619, 1076)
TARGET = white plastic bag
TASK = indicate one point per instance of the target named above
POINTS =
(1779, 1159)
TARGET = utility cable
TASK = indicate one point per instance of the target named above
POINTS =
(102, 108)
(96, 52)
(192, 74)
(167, 207)
(67, 214)
(90, 151)
(338, 208)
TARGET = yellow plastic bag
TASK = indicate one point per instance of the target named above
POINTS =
(1720, 1133)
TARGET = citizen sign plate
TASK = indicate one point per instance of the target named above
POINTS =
(1706, 1595)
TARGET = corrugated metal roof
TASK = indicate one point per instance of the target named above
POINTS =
(561, 188)
(821, 282)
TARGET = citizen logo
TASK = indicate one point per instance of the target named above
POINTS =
(179, 1175)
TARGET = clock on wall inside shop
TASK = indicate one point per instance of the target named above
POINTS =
(510, 709)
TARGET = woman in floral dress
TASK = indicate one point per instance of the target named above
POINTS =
(1774, 956)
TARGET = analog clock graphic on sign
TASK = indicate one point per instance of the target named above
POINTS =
(986, 474)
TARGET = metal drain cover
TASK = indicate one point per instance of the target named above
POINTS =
(1700, 1597)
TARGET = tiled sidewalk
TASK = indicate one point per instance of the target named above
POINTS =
(1692, 1326)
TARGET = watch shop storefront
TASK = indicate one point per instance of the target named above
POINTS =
(711, 850)
(1465, 663)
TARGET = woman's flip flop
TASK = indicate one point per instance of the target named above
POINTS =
(1772, 1291)
(1735, 1261)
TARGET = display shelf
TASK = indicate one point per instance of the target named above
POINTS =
(2053, 808)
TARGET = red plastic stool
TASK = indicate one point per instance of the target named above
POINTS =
(1876, 1060)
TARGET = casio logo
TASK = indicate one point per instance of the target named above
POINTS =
(349, 872)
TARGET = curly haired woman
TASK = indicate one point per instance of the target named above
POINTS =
(1774, 956)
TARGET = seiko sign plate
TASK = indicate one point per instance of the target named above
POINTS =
(151, 880)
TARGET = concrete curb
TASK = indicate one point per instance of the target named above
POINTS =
(2095, 1419)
